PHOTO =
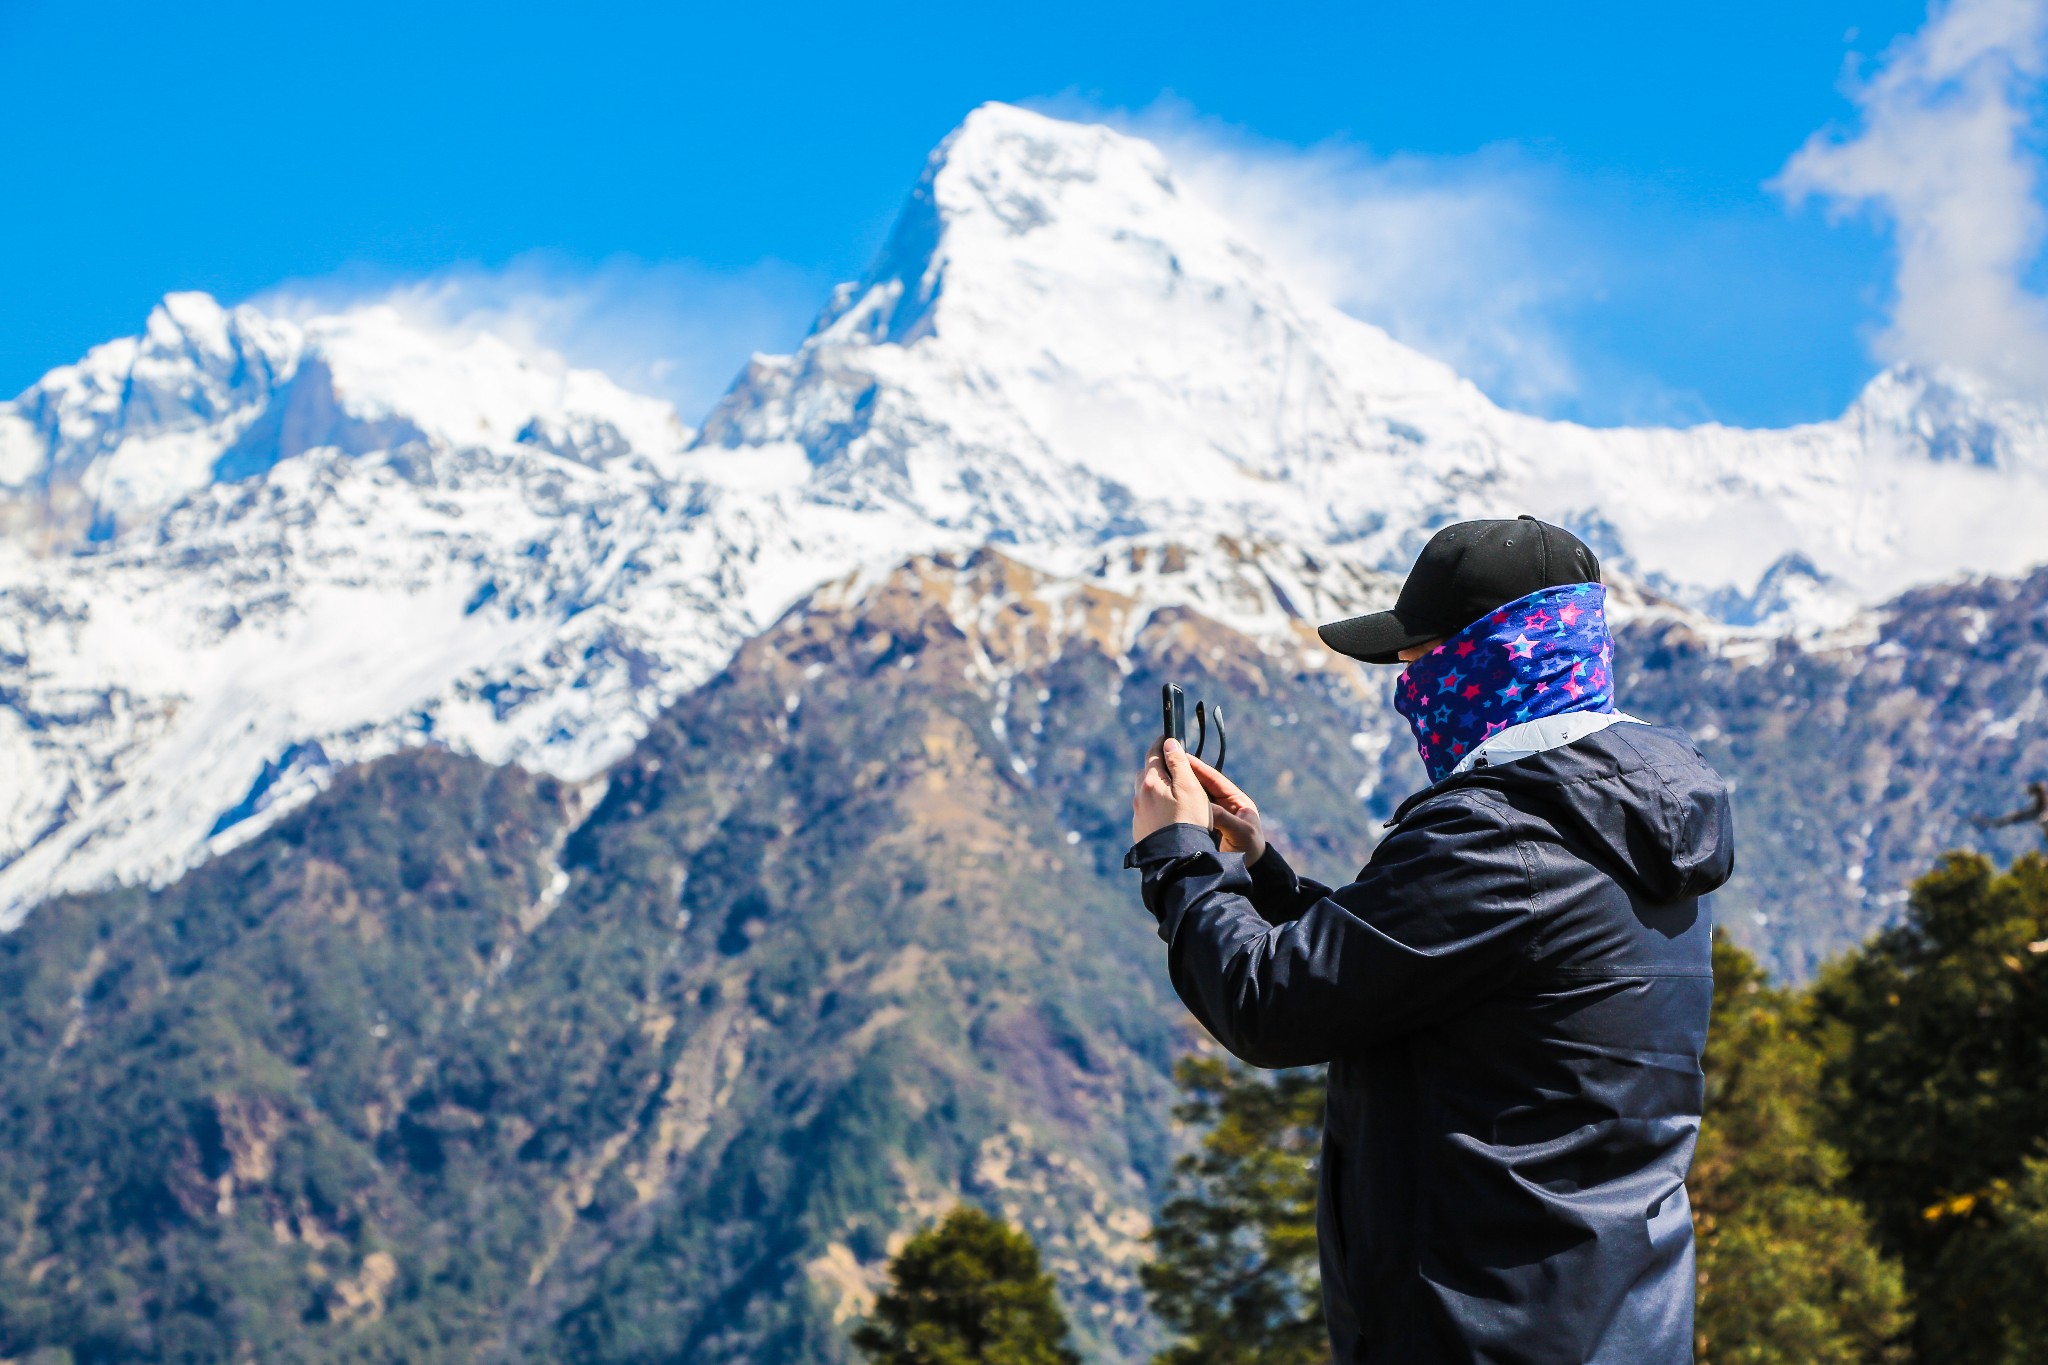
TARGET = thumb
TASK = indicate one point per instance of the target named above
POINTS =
(1179, 772)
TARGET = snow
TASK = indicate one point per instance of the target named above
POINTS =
(1058, 342)
(21, 450)
(236, 551)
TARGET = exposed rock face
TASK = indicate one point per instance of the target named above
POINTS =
(1858, 764)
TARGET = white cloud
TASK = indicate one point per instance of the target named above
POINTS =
(1943, 152)
(673, 329)
(1440, 253)
(1478, 260)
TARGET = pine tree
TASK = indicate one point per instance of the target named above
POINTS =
(1789, 1270)
(967, 1292)
(1235, 1275)
(1984, 1284)
(1940, 1102)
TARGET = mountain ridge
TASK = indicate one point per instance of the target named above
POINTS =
(244, 551)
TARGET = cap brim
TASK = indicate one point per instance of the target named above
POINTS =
(1377, 638)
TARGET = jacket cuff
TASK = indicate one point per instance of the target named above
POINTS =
(1181, 864)
(1173, 841)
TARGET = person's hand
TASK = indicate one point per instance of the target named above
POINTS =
(1232, 814)
(1168, 792)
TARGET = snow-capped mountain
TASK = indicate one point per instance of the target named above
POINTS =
(210, 395)
(1057, 342)
(239, 550)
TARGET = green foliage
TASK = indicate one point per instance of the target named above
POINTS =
(205, 1150)
(1789, 1271)
(1984, 1285)
(967, 1292)
(1235, 1274)
(1939, 1099)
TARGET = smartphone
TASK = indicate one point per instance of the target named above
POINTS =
(1173, 708)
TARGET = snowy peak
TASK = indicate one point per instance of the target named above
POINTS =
(173, 395)
(209, 394)
(195, 363)
(1023, 218)
(1945, 416)
(1011, 188)
(329, 537)
(472, 388)
(1057, 341)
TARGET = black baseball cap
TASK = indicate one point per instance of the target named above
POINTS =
(1463, 573)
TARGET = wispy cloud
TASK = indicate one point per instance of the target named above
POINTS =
(1440, 253)
(1478, 260)
(1943, 151)
(673, 329)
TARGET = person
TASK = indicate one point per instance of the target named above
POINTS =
(1511, 997)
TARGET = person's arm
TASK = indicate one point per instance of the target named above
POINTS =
(1278, 892)
(1442, 915)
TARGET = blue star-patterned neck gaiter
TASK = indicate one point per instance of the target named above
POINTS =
(1539, 655)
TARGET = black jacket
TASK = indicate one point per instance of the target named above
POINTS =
(1512, 999)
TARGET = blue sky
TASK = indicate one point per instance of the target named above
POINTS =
(680, 183)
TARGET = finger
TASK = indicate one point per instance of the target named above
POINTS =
(1223, 822)
(1216, 784)
(1186, 785)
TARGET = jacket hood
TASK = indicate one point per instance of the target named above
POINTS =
(1641, 795)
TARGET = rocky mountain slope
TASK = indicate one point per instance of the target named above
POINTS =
(459, 1062)
(1859, 762)
(243, 551)
(445, 1067)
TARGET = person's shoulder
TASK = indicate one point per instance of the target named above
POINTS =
(1658, 747)
(1627, 754)
(1651, 737)
(1453, 805)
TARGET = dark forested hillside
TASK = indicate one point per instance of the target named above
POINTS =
(256, 1111)
(411, 1078)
